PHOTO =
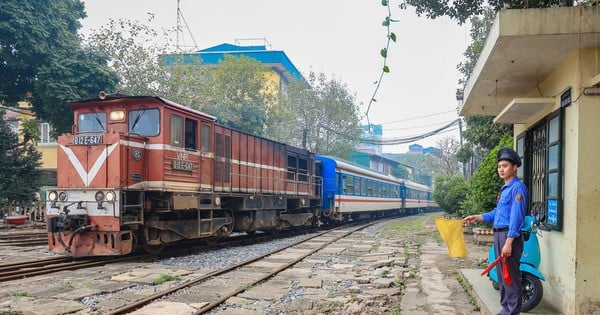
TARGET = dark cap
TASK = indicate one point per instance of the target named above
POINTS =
(510, 155)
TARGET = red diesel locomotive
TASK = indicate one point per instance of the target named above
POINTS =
(145, 171)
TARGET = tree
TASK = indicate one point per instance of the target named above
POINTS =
(145, 61)
(461, 10)
(400, 172)
(450, 192)
(445, 162)
(19, 164)
(421, 172)
(323, 119)
(238, 93)
(42, 60)
(485, 182)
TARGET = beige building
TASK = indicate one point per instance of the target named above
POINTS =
(540, 70)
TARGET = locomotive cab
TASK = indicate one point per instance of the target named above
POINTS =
(102, 165)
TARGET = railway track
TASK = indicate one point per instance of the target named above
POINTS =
(24, 239)
(45, 266)
(283, 258)
(29, 268)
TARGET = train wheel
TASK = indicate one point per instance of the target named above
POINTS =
(316, 220)
(211, 241)
(153, 249)
(151, 234)
(226, 230)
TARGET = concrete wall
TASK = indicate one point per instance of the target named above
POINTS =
(570, 258)
(587, 299)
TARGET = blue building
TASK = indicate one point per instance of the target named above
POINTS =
(283, 71)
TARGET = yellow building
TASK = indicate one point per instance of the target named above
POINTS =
(540, 71)
(45, 144)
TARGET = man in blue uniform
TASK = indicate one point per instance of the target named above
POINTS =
(508, 220)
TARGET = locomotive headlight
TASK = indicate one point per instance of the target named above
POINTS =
(217, 201)
(62, 196)
(99, 196)
(52, 196)
(111, 196)
(117, 115)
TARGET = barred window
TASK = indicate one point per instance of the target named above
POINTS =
(541, 150)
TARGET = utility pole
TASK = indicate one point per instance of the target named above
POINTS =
(460, 131)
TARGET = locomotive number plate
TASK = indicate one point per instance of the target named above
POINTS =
(87, 140)
(182, 165)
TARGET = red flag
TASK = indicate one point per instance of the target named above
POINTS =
(486, 270)
(505, 274)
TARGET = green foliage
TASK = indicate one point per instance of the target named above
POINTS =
(484, 133)
(486, 183)
(461, 10)
(421, 172)
(41, 58)
(19, 293)
(450, 192)
(480, 28)
(400, 172)
(391, 37)
(239, 94)
(132, 48)
(323, 119)
(165, 278)
(144, 60)
(19, 164)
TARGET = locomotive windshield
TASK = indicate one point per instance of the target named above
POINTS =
(144, 122)
(91, 122)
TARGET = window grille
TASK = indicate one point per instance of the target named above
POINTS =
(542, 152)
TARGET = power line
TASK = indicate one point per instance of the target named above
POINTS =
(417, 127)
(395, 141)
(418, 117)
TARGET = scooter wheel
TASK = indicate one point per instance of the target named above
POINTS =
(532, 291)
(495, 285)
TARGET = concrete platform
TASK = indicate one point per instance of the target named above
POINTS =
(489, 299)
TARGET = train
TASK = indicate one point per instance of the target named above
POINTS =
(143, 171)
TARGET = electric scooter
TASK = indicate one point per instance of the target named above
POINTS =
(530, 261)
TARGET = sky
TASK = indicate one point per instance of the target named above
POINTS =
(339, 38)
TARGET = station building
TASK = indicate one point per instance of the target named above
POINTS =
(540, 71)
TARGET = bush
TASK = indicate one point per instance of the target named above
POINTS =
(450, 192)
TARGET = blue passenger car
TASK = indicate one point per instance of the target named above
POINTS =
(353, 191)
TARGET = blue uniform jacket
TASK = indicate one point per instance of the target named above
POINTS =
(510, 208)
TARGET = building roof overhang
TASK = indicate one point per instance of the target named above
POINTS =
(522, 49)
(521, 110)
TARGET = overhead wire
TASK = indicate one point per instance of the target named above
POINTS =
(403, 140)
(418, 117)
